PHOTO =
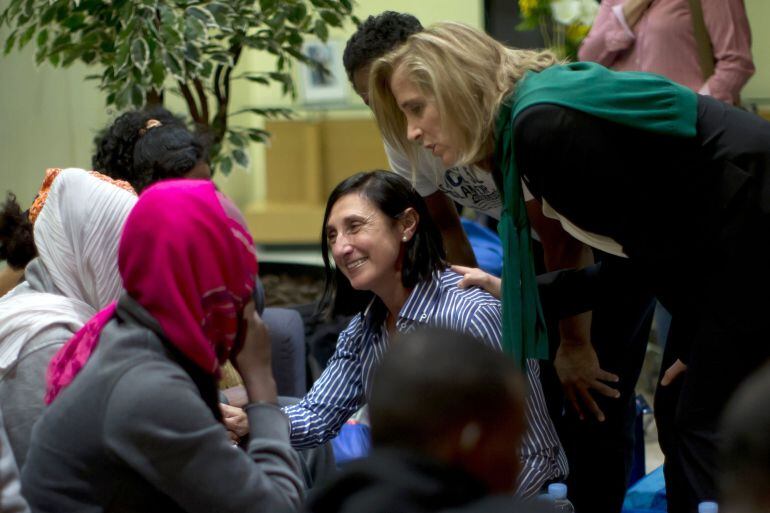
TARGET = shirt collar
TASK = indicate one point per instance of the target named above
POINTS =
(417, 307)
(421, 301)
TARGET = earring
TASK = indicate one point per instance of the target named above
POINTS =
(404, 238)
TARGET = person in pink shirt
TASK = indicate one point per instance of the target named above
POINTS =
(657, 36)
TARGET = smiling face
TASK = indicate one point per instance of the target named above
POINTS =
(366, 244)
(423, 120)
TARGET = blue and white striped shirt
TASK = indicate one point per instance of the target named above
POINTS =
(345, 384)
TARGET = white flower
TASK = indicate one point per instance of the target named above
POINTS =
(588, 10)
(566, 12)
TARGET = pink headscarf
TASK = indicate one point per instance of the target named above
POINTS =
(186, 257)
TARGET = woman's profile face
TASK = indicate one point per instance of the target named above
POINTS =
(365, 244)
(423, 119)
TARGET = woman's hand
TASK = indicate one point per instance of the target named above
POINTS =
(673, 372)
(235, 420)
(474, 277)
(253, 361)
(578, 369)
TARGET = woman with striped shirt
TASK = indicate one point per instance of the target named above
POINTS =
(389, 263)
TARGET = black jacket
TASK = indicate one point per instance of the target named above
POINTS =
(390, 481)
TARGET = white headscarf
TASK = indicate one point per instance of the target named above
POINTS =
(77, 235)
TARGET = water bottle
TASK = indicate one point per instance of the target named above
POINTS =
(708, 507)
(543, 502)
(558, 491)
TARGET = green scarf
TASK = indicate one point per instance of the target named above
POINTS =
(640, 100)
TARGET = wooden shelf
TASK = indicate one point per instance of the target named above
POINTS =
(285, 223)
(305, 160)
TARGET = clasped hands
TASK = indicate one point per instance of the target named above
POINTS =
(252, 360)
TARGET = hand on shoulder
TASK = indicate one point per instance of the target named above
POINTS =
(474, 277)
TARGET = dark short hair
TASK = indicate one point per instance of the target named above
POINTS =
(745, 454)
(392, 194)
(166, 151)
(17, 243)
(434, 380)
(114, 154)
(376, 36)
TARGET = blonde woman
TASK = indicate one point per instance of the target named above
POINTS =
(629, 163)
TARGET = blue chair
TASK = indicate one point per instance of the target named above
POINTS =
(354, 441)
(486, 246)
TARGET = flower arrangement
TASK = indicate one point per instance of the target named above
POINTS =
(562, 23)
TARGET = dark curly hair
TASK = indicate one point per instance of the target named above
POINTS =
(376, 36)
(17, 244)
(166, 152)
(115, 144)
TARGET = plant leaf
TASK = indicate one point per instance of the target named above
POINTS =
(158, 72)
(236, 139)
(10, 42)
(202, 14)
(220, 12)
(173, 65)
(26, 36)
(331, 18)
(75, 22)
(194, 28)
(267, 5)
(257, 134)
(320, 30)
(137, 95)
(42, 37)
(297, 13)
(257, 79)
(241, 157)
(226, 165)
(140, 53)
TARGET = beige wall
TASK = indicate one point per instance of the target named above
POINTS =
(48, 118)
(759, 18)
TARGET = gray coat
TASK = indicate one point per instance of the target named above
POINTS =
(11, 500)
(132, 433)
(22, 385)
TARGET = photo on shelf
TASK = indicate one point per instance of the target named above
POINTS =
(325, 81)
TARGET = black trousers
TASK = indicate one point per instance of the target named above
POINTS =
(599, 453)
(720, 323)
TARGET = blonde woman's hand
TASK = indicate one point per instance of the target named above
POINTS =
(474, 277)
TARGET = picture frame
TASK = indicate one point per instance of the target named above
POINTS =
(326, 83)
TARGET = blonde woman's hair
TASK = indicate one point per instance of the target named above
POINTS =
(465, 71)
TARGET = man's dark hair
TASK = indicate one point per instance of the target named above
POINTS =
(392, 194)
(376, 36)
(745, 451)
(433, 380)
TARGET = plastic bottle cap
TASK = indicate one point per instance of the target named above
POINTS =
(708, 507)
(559, 491)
